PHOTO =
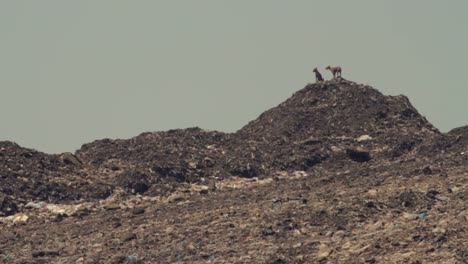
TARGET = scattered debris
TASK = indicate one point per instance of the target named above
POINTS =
(421, 215)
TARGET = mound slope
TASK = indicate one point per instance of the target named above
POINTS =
(332, 124)
(296, 135)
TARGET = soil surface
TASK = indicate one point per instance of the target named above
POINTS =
(338, 173)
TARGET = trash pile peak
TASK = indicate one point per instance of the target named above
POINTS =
(339, 108)
(334, 124)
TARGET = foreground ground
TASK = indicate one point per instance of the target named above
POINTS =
(401, 212)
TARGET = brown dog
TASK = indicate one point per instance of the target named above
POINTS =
(336, 71)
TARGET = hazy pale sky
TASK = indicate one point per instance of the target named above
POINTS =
(75, 71)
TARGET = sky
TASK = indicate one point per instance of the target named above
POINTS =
(76, 71)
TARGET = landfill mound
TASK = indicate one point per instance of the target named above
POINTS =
(27, 174)
(337, 111)
(338, 108)
(330, 120)
(338, 173)
(183, 155)
(461, 133)
(448, 149)
(333, 124)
